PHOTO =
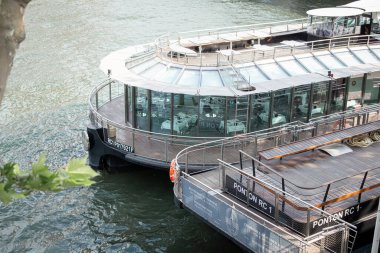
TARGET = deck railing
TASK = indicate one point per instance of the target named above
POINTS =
(253, 143)
(268, 52)
(167, 144)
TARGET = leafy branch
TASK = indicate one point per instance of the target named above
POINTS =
(16, 183)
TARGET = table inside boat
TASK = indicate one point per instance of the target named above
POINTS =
(182, 122)
(233, 125)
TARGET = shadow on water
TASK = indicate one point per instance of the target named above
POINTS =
(139, 204)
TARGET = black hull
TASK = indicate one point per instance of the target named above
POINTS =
(103, 156)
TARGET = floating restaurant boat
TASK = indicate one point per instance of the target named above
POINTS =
(194, 87)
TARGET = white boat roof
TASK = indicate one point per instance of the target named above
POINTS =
(335, 12)
(367, 5)
(157, 74)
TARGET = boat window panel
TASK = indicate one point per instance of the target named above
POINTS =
(168, 76)
(260, 111)
(300, 103)
(143, 66)
(237, 109)
(186, 113)
(211, 78)
(228, 75)
(355, 87)
(253, 74)
(273, 71)
(312, 64)
(189, 78)
(330, 61)
(293, 67)
(211, 115)
(366, 56)
(281, 107)
(376, 51)
(153, 71)
(142, 109)
(161, 112)
(320, 96)
(129, 90)
(338, 94)
(348, 58)
(371, 95)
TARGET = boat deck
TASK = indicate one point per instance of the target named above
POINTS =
(308, 174)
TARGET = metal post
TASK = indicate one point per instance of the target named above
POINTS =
(308, 223)
(276, 211)
(362, 185)
(376, 235)
(166, 149)
(325, 197)
(223, 176)
(241, 166)
(97, 100)
(187, 163)
(343, 246)
(248, 191)
(110, 91)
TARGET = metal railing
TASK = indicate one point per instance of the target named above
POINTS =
(169, 145)
(270, 52)
(283, 209)
(254, 142)
(321, 195)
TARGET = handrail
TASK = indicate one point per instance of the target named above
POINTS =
(282, 193)
(277, 51)
(249, 211)
(308, 188)
(244, 26)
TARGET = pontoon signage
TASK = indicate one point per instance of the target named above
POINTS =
(121, 146)
(239, 191)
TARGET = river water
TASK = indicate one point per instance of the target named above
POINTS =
(45, 109)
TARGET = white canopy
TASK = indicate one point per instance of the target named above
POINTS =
(182, 50)
(228, 52)
(335, 12)
(367, 5)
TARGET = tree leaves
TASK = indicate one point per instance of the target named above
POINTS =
(16, 183)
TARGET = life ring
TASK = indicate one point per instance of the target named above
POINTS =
(172, 171)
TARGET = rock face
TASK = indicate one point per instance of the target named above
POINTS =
(12, 33)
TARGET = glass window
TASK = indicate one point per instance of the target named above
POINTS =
(186, 113)
(236, 116)
(293, 67)
(154, 70)
(312, 64)
(253, 74)
(319, 106)
(330, 61)
(366, 56)
(142, 109)
(211, 78)
(348, 58)
(169, 75)
(371, 95)
(211, 116)
(260, 111)
(338, 95)
(354, 92)
(300, 103)
(189, 78)
(161, 112)
(273, 71)
(129, 90)
(281, 107)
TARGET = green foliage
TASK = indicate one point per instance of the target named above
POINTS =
(16, 183)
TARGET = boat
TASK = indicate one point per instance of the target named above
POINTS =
(193, 87)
